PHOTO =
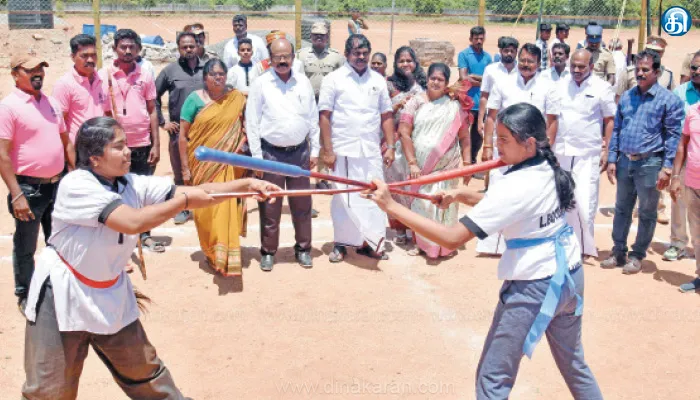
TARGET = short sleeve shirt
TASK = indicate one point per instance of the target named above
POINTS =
(475, 63)
(83, 203)
(131, 93)
(79, 99)
(603, 63)
(493, 73)
(34, 128)
(524, 205)
(317, 68)
(538, 91)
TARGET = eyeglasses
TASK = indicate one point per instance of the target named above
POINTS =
(281, 57)
(694, 67)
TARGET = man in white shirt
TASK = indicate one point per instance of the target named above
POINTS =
(507, 48)
(543, 44)
(585, 127)
(240, 28)
(560, 60)
(527, 86)
(282, 125)
(355, 105)
(240, 75)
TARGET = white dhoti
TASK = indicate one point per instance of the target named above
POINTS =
(494, 244)
(586, 173)
(357, 220)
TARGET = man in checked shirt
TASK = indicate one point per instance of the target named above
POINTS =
(640, 158)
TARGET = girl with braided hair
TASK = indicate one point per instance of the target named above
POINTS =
(542, 291)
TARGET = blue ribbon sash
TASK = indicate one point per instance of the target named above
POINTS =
(561, 277)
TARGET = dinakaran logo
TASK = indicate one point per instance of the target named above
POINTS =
(676, 21)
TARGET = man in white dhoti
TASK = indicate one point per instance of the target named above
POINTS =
(354, 107)
(527, 86)
(585, 127)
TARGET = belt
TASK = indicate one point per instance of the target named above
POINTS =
(38, 181)
(561, 277)
(84, 279)
(287, 149)
(643, 156)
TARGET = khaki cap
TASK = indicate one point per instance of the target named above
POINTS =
(655, 43)
(319, 28)
(27, 61)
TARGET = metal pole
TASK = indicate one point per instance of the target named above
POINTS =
(391, 30)
(298, 23)
(661, 13)
(642, 26)
(482, 12)
(98, 31)
(649, 22)
(539, 20)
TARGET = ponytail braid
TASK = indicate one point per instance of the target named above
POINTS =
(562, 179)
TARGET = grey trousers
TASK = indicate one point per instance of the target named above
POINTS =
(300, 207)
(519, 304)
(53, 360)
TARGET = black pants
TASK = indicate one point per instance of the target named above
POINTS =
(476, 138)
(41, 199)
(300, 207)
(140, 166)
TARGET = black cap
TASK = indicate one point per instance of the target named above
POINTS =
(562, 26)
(545, 27)
(240, 17)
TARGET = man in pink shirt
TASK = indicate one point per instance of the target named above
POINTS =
(132, 96)
(34, 151)
(80, 91)
(689, 154)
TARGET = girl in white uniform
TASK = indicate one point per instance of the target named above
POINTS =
(80, 296)
(542, 291)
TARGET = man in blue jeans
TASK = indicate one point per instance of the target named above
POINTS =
(471, 62)
(640, 157)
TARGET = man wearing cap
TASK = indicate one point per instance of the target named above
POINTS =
(603, 62)
(319, 60)
(666, 79)
(561, 33)
(80, 92)
(640, 156)
(240, 29)
(178, 79)
(263, 66)
(686, 73)
(201, 36)
(35, 148)
(282, 125)
(542, 43)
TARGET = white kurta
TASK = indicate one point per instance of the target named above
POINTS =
(95, 251)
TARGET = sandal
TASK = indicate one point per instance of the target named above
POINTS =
(153, 246)
(338, 254)
(368, 252)
(401, 238)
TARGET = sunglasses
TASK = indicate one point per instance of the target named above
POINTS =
(694, 67)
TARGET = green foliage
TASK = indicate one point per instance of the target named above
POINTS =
(428, 6)
(256, 5)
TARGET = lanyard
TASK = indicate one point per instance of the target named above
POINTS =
(124, 94)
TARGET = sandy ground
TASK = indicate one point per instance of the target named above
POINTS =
(403, 328)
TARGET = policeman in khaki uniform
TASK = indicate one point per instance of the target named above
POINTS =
(603, 61)
(666, 78)
(319, 60)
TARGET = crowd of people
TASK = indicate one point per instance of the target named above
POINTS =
(79, 165)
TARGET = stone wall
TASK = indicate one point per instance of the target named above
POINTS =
(431, 51)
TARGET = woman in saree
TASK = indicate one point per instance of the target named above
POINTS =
(434, 132)
(213, 117)
(407, 81)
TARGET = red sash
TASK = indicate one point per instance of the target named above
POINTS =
(87, 281)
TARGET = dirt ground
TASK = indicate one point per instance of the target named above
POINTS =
(402, 328)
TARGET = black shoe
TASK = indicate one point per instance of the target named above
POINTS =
(338, 254)
(314, 213)
(323, 185)
(267, 262)
(368, 252)
(22, 305)
(304, 259)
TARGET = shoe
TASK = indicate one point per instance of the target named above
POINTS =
(182, 217)
(22, 305)
(690, 286)
(673, 254)
(304, 259)
(323, 185)
(632, 267)
(314, 213)
(267, 262)
(479, 176)
(368, 252)
(338, 254)
(613, 261)
(662, 218)
(401, 238)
